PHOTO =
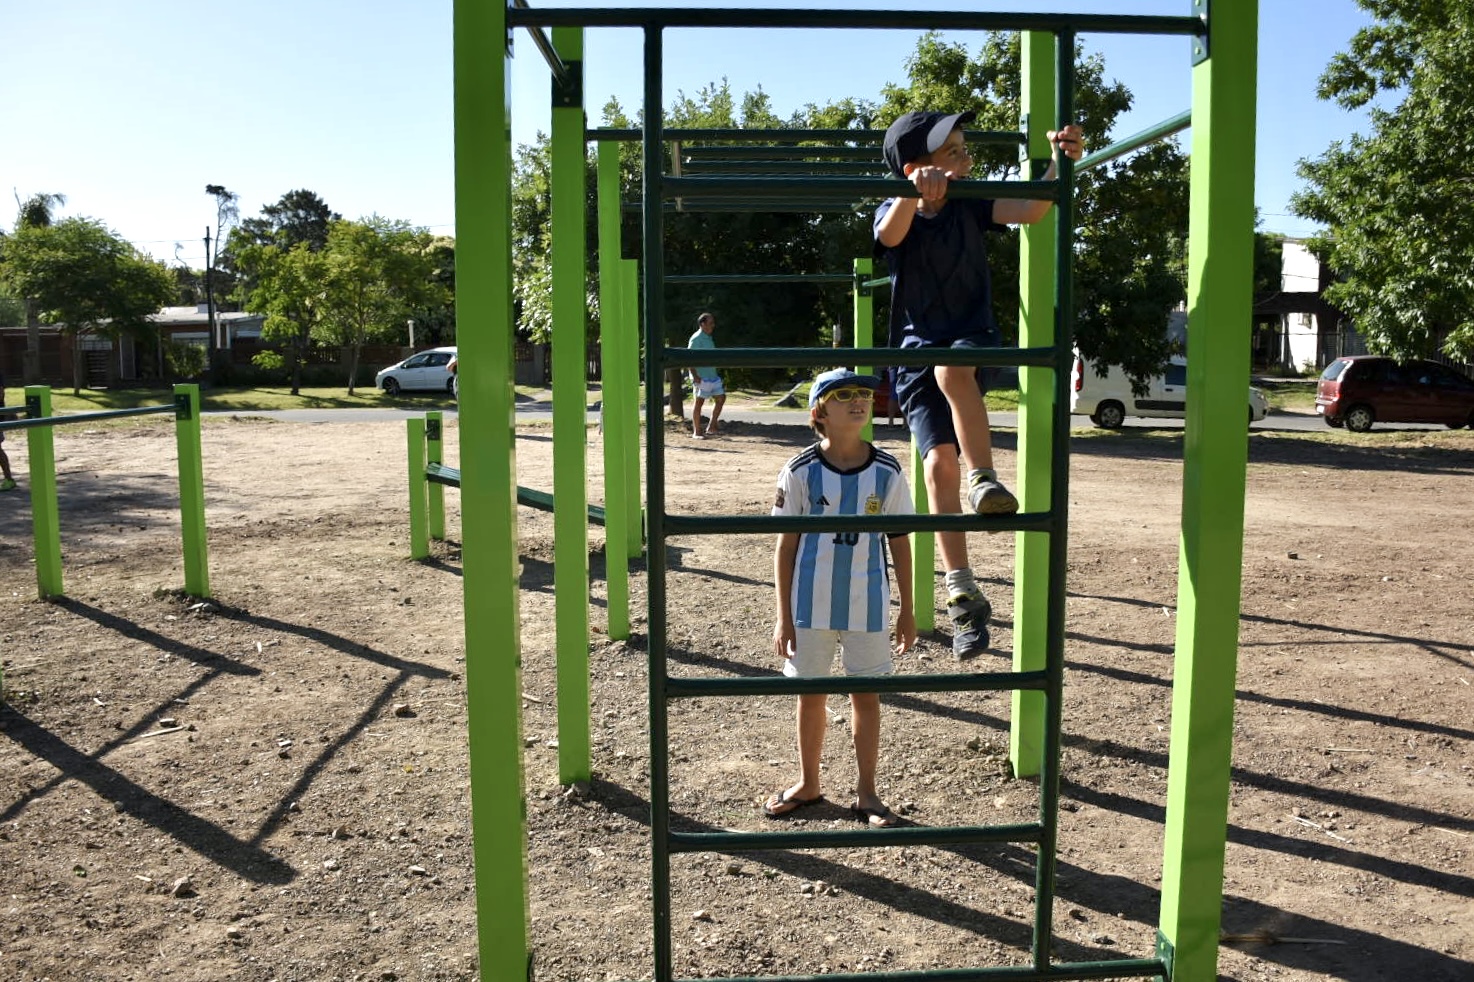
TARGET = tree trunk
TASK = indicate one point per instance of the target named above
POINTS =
(675, 403)
(353, 365)
(30, 372)
(76, 363)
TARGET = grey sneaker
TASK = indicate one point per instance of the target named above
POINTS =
(969, 613)
(991, 498)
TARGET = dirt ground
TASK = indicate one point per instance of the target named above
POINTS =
(275, 786)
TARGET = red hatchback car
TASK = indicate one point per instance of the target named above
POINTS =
(1360, 390)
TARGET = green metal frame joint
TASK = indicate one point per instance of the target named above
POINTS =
(569, 94)
(1165, 951)
(33, 407)
(1200, 41)
(181, 406)
(432, 428)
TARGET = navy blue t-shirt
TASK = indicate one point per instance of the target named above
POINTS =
(940, 287)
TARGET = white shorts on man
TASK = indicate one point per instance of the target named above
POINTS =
(710, 388)
(863, 653)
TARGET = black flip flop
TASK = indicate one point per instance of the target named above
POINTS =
(784, 798)
(876, 818)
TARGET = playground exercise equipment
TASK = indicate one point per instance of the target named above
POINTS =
(1220, 249)
(39, 425)
(428, 476)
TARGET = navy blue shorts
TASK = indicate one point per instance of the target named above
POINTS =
(927, 412)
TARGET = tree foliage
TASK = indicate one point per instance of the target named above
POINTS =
(1398, 203)
(35, 211)
(85, 278)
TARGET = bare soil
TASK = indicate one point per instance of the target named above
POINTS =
(274, 786)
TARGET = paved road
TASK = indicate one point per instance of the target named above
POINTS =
(1284, 421)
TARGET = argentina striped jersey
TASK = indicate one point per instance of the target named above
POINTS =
(839, 578)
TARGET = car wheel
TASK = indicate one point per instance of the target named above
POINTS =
(1109, 415)
(391, 386)
(1359, 419)
(1335, 422)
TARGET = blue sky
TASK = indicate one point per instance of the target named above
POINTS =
(131, 109)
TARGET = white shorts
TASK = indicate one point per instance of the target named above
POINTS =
(863, 653)
(708, 387)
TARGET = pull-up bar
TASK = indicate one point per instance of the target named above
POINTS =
(896, 20)
(1152, 134)
(849, 188)
(555, 64)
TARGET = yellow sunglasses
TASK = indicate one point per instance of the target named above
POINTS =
(849, 393)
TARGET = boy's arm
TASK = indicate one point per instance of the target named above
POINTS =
(931, 183)
(784, 556)
(1025, 211)
(906, 619)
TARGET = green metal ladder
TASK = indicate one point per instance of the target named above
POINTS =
(1041, 834)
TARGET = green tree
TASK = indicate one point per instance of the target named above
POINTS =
(298, 216)
(1397, 203)
(37, 211)
(378, 271)
(288, 287)
(86, 279)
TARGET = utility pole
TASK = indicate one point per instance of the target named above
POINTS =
(209, 303)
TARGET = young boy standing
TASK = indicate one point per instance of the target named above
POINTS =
(941, 297)
(832, 587)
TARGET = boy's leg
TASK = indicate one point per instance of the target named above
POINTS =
(986, 495)
(968, 609)
(943, 479)
(812, 721)
(865, 732)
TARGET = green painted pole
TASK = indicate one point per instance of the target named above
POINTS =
(1035, 416)
(45, 523)
(864, 308)
(435, 454)
(484, 333)
(630, 327)
(570, 419)
(191, 490)
(923, 551)
(1215, 453)
(419, 527)
(618, 396)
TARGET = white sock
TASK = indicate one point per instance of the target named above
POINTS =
(978, 474)
(960, 581)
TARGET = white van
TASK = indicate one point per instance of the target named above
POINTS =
(1108, 399)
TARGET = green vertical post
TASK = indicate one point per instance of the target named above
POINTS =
(191, 490)
(483, 188)
(864, 307)
(630, 326)
(1215, 452)
(435, 454)
(419, 527)
(1035, 413)
(45, 523)
(570, 417)
(923, 551)
(618, 396)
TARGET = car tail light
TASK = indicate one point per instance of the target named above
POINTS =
(1079, 373)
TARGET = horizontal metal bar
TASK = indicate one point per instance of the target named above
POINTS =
(790, 152)
(906, 20)
(1151, 134)
(1043, 357)
(878, 281)
(1058, 972)
(779, 685)
(39, 421)
(906, 835)
(806, 168)
(748, 135)
(540, 41)
(845, 278)
(850, 188)
(759, 206)
(1032, 521)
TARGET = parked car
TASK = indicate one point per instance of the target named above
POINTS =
(455, 377)
(1359, 390)
(425, 370)
(1109, 399)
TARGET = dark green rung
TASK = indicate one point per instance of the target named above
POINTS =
(1059, 972)
(845, 278)
(778, 685)
(739, 135)
(1044, 357)
(795, 168)
(677, 525)
(849, 188)
(792, 152)
(908, 835)
(541, 500)
(40, 421)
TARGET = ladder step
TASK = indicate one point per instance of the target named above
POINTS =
(1024, 521)
(907, 835)
(1057, 972)
(778, 685)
